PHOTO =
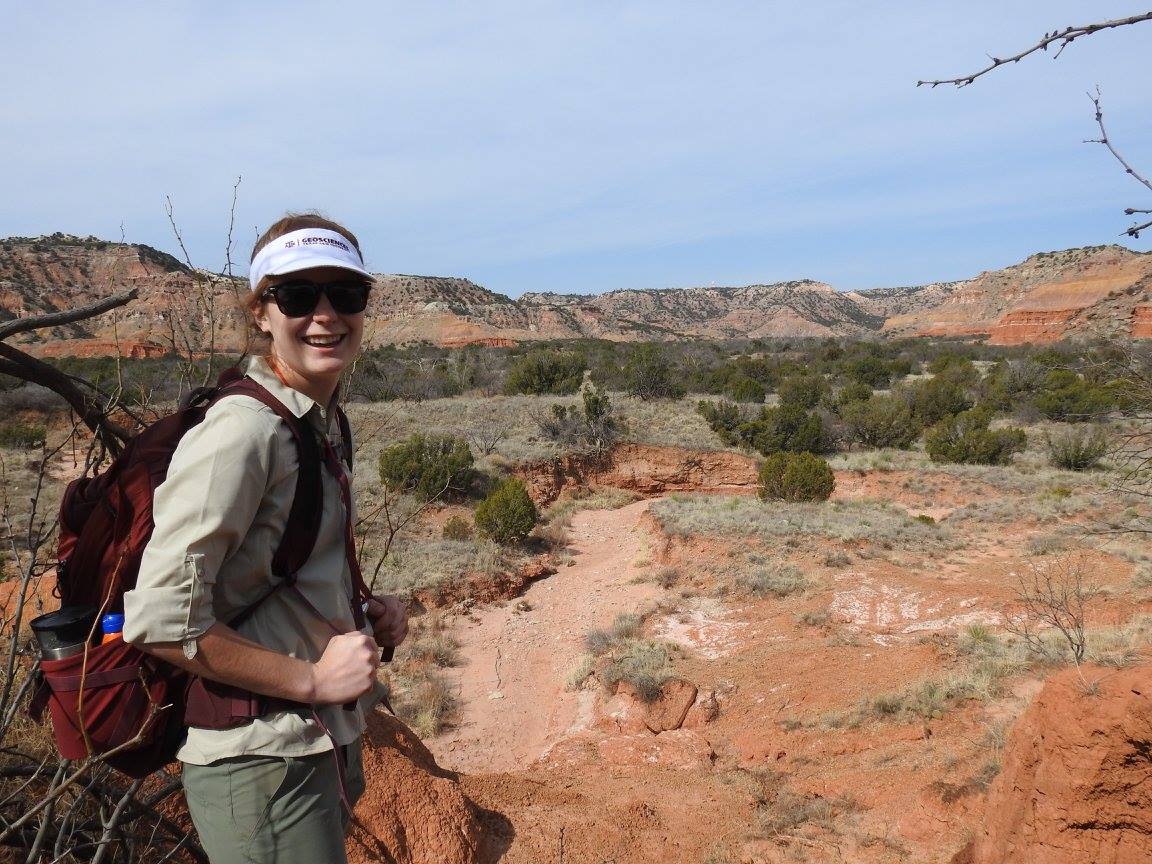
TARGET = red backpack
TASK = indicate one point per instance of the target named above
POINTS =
(114, 699)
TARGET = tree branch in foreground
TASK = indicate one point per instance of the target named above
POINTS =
(1064, 37)
(1133, 230)
(68, 316)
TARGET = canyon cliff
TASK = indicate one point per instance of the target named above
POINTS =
(1092, 292)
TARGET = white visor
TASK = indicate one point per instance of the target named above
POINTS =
(303, 250)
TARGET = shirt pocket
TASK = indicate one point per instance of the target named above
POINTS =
(200, 609)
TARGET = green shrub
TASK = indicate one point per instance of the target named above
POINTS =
(456, 528)
(428, 465)
(590, 425)
(508, 514)
(790, 428)
(743, 389)
(854, 391)
(1066, 397)
(882, 421)
(796, 477)
(802, 391)
(1077, 449)
(24, 436)
(870, 371)
(932, 400)
(966, 439)
(724, 418)
(787, 427)
(650, 375)
(540, 372)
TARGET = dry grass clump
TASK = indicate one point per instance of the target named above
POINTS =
(786, 812)
(872, 521)
(583, 498)
(419, 693)
(1120, 646)
(666, 423)
(618, 654)
(776, 579)
(422, 699)
(422, 563)
(503, 426)
(430, 642)
(1047, 503)
(476, 418)
(641, 663)
(626, 626)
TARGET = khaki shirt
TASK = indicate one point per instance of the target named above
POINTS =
(219, 516)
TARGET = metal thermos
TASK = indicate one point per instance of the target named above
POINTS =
(63, 633)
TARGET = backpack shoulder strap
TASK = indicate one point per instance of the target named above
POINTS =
(307, 504)
(345, 435)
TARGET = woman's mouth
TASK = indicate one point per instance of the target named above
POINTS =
(323, 341)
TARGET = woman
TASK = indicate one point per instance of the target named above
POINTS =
(270, 789)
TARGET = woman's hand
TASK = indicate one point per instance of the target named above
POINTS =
(345, 671)
(389, 620)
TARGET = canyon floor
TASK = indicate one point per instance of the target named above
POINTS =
(858, 717)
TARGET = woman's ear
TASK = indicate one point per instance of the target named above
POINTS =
(260, 316)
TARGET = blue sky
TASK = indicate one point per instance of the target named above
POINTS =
(580, 146)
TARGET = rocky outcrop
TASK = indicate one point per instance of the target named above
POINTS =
(412, 811)
(1095, 291)
(642, 468)
(1043, 299)
(1076, 784)
(1141, 327)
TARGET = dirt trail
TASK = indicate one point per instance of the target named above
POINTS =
(511, 685)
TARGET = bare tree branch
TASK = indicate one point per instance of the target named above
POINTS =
(1064, 37)
(170, 210)
(69, 316)
(28, 368)
(231, 225)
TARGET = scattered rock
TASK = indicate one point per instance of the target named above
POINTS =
(677, 696)
(704, 710)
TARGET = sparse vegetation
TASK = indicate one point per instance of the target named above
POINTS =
(22, 436)
(774, 579)
(1078, 448)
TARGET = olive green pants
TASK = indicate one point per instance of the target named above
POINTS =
(271, 809)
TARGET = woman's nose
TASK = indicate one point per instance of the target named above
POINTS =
(324, 310)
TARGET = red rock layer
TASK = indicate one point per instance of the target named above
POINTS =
(1142, 322)
(1076, 784)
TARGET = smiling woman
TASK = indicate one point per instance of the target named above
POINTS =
(274, 777)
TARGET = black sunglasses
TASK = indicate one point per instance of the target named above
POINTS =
(299, 297)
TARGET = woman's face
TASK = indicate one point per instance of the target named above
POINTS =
(312, 351)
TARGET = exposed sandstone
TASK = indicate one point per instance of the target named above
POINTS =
(413, 812)
(1046, 297)
(642, 468)
(1141, 327)
(1076, 784)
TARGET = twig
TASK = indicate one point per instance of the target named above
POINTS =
(231, 225)
(105, 842)
(1065, 37)
(1134, 230)
(170, 210)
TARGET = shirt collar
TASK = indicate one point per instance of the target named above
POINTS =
(295, 401)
